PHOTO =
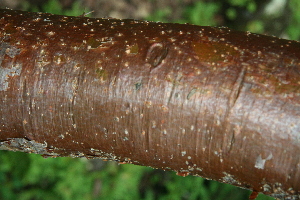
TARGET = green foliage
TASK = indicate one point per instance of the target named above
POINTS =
(256, 26)
(293, 29)
(202, 13)
(231, 12)
(122, 180)
(160, 15)
(28, 176)
(24, 176)
(55, 7)
(249, 4)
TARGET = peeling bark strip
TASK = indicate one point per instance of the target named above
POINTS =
(210, 102)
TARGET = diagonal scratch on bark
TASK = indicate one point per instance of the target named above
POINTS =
(75, 85)
(236, 89)
(233, 97)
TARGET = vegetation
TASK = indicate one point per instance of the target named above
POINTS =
(28, 176)
(54, 7)
(245, 15)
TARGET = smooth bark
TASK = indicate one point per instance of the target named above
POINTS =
(210, 102)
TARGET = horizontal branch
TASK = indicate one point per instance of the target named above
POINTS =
(205, 101)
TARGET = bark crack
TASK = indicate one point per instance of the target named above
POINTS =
(236, 89)
(233, 97)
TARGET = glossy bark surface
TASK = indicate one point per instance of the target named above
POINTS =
(210, 102)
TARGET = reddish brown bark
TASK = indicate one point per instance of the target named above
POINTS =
(210, 102)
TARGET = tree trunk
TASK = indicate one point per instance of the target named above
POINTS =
(210, 102)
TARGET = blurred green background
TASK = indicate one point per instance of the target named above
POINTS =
(32, 177)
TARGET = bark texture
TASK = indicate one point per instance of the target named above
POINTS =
(210, 102)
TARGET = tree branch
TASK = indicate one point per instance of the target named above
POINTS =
(210, 102)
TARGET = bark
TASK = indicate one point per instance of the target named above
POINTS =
(210, 102)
